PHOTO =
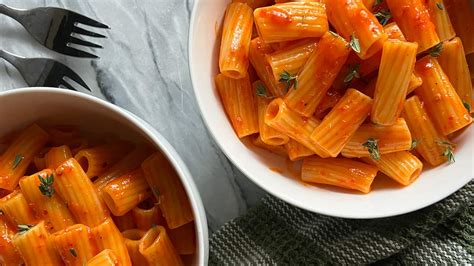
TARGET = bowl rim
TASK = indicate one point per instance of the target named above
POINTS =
(161, 143)
(286, 197)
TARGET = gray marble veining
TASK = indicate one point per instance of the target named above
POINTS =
(143, 68)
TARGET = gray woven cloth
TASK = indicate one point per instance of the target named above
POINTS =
(276, 233)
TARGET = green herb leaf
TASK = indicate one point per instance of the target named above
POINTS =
(334, 34)
(467, 106)
(23, 228)
(46, 186)
(377, 2)
(383, 16)
(73, 252)
(289, 79)
(414, 143)
(17, 161)
(353, 73)
(440, 6)
(435, 51)
(156, 192)
(261, 90)
(373, 148)
(354, 43)
(449, 151)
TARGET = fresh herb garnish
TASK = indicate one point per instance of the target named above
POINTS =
(440, 6)
(261, 90)
(383, 16)
(449, 150)
(373, 148)
(17, 161)
(289, 79)
(73, 252)
(354, 43)
(467, 106)
(334, 34)
(157, 193)
(436, 50)
(46, 186)
(414, 143)
(23, 228)
(353, 73)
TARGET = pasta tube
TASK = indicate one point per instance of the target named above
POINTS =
(239, 103)
(95, 161)
(56, 156)
(128, 163)
(280, 149)
(441, 100)
(145, 218)
(157, 248)
(49, 207)
(8, 253)
(291, 21)
(124, 222)
(257, 56)
(352, 20)
(106, 257)
(75, 188)
(424, 132)
(15, 207)
(132, 242)
(108, 236)
(454, 64)
(391, 88)
(291, 58)
(268, 135)
(184, 239)
(317, 75)
(413, 18)
(402, 166)
(281, 118)
(15, 160)
(440, 18)
(389, 139)
(75, 244)
(297, 151)
(461, 13)
(124, 193)
(167, 188)
(339, 172)
(37, 241)
(234, 53)
(342, 122)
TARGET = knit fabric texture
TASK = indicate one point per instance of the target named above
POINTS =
(276, 233)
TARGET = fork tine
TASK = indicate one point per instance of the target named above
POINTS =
(69, 73)
(87, 33)
(88, 21)
(78, 53)
(68, 86)
(83, 42)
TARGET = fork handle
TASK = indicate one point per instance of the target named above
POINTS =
(15, 60)
(11, 12)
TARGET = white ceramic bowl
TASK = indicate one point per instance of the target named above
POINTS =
(21, 107)
(386, 199)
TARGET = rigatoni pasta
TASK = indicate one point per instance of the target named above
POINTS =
(387, 83)
(235, 43)
(157, 248)
(392, 86)
(63, 218)
(291, 21)
(317, 75)
(443, 104)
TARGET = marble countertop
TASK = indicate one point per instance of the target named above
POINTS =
(143, 68)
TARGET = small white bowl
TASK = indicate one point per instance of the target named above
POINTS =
(21, 107)
(386, 199)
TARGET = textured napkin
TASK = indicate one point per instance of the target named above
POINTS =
(276, 233)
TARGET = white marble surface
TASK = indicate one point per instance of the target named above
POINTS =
(143, 68)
